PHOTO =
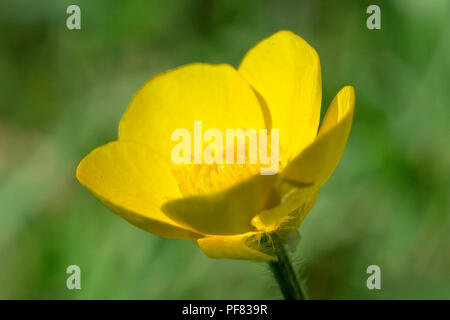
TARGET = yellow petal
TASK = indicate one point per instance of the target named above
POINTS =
(317, 162)
(285, 70)
(217, 95)
(233, 247)
(227, 212)
(134, 182)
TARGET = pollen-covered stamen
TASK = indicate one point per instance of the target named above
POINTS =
(199, 179)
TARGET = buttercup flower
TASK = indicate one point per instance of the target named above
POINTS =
(229, 210)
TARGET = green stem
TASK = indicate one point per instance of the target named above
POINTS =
(284, 273)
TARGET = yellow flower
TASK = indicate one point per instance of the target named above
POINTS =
(229, 210)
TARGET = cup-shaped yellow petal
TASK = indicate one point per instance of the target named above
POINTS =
(285, 70)
(226, 212)
(216, 95)
(316, 163)
(134, 181)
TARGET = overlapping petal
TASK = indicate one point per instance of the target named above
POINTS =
(285, 70)
(227, 212)
(126, 177)
(217, 95)
(317, 162)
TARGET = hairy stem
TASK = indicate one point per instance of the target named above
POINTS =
(284, 273)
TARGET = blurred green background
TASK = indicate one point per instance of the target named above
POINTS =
(63, 93)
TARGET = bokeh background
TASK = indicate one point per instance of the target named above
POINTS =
(63, 93)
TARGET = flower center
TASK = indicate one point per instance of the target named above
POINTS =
(200, 179)
(197, 179)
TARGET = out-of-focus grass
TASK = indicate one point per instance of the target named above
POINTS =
(64, 92)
